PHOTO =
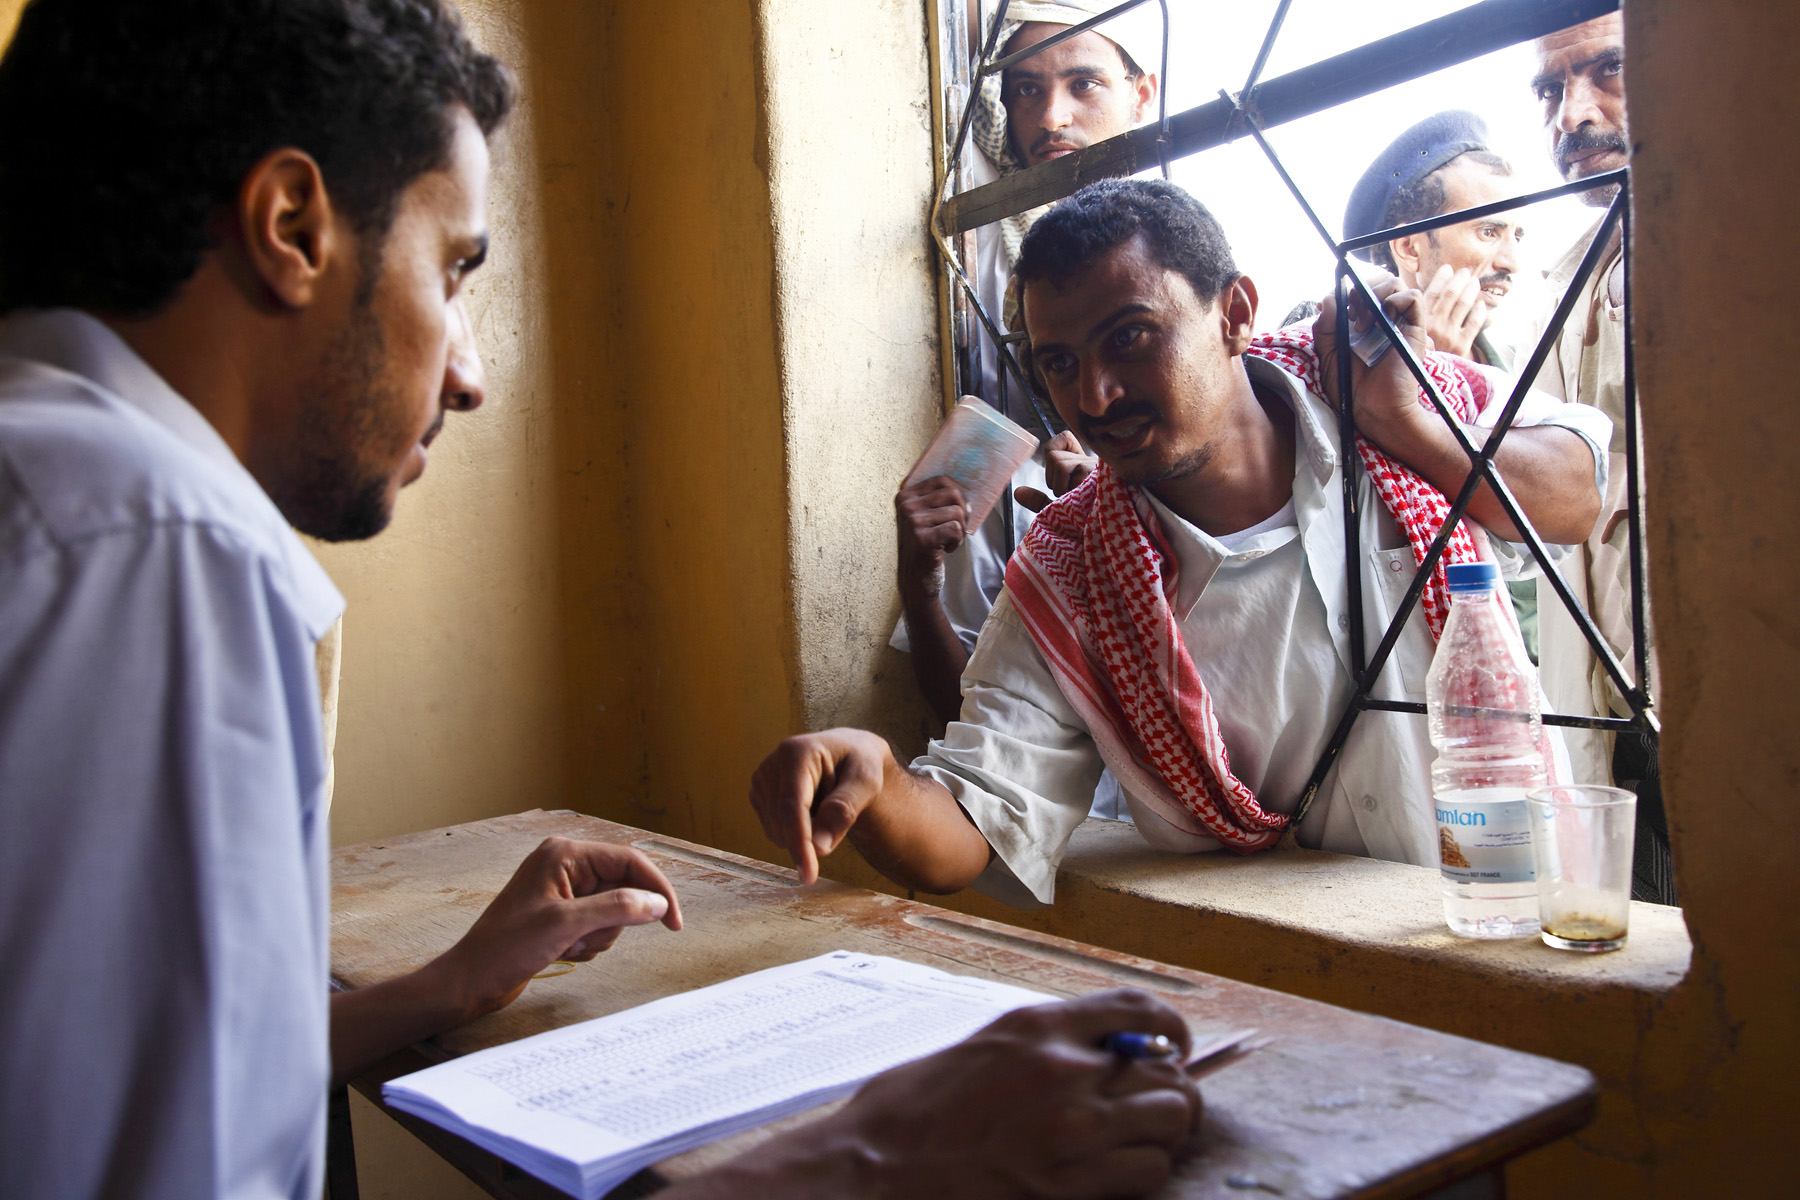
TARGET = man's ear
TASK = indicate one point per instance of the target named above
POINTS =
(1406, 251)
(1144, 101)
(289, 232)
(1237, 309)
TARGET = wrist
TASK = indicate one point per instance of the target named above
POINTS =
(445, 992)
(919, 590)
(1406, 433)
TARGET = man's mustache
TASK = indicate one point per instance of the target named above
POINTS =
(1059, 138)
(1584, 139)
(1497, 277)
(1118, 413)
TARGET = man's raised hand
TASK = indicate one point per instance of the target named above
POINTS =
(810, 790)
(1387, 396)
(1066, 464)
(1455, 310)
(931, 519)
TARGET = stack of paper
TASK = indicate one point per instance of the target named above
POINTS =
(585, 1107)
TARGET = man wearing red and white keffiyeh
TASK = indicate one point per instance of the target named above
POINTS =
(1183, 616)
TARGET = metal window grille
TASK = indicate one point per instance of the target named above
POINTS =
(958, 210)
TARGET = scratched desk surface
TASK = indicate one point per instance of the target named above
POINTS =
(1340, 1105)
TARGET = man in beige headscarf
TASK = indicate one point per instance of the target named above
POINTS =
(1081, 91)
(1068, 97)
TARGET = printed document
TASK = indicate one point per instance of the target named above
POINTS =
(585, 1107)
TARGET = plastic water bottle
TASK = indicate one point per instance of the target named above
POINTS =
(1482, 697)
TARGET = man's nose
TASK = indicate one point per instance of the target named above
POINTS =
(1059, 110)
(1099, 389)
(1506, 258)
(1579, 107)
(465, 382)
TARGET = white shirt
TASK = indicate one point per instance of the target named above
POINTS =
(163, 904)
(1266, 621)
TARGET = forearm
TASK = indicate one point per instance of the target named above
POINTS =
(1550, 471)
(370, 1023)
(917, 835)
(938, 656)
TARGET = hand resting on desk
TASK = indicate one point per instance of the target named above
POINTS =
(816, 789)
(1029, 1106)
(568, 900)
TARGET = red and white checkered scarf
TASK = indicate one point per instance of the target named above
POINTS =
(1092, 581)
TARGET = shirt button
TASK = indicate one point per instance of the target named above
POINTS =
(1343, 621)
(1368, 804)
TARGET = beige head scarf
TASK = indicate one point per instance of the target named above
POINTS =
(1138, 33)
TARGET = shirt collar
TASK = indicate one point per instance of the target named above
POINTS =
(80, 344)
(1564, 270)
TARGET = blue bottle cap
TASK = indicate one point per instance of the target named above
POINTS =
(1472, 577)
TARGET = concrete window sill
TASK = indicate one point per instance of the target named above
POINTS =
(1322, 924)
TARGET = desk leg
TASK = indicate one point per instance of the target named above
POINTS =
(340, 1148)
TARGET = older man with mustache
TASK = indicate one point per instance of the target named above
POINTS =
(1580, 82)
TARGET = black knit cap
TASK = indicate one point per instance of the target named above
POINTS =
(1410, 157)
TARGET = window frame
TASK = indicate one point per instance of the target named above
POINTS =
(958, 210)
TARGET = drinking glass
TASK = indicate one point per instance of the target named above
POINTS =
(1581, 842)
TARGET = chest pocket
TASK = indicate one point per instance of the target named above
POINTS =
(1393, 571)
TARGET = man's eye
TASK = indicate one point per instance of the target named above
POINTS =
(1550, 93)
(1616, 67)
(1084, 85)
(1126, 336)
(1056, 364)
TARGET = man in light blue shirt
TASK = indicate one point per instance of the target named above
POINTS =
(233, 235)
(203, 342)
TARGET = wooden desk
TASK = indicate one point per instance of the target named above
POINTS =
(1341, 1105)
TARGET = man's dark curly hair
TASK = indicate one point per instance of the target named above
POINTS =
(126, 124)
(1181, 235)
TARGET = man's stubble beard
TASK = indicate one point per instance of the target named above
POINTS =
(329, 494)
(1193, 461)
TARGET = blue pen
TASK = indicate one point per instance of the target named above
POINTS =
(1140, 1045)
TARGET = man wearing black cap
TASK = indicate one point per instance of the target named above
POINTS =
(1465, 271)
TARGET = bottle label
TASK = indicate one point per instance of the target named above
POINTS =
(1484, 836)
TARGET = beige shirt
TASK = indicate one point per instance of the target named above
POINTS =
(1587, 365)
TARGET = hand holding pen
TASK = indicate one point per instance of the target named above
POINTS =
(1207, 1056)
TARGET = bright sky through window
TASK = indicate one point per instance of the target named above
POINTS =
(1212, 45)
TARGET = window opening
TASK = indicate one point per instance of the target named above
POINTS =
(1430, 46)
